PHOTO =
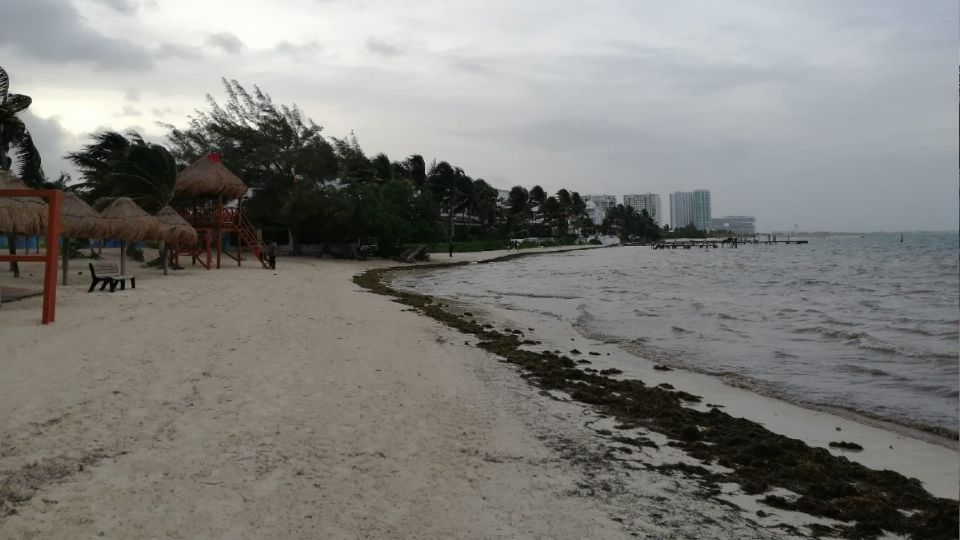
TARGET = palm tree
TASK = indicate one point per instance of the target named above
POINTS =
(452, 187)
(518, 206)
(15, 136)
(117, 165)
(552, 210)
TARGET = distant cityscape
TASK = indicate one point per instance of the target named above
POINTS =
(686, 208)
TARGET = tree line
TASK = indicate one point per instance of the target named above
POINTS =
(311, 188)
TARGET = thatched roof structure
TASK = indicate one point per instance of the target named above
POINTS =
(208, 178)
(129, 222)
(174, 228)
(80, 220)
(21, 215)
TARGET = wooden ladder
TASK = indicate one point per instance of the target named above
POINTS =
(249, 238)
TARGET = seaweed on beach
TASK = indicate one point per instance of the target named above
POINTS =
(867, 500)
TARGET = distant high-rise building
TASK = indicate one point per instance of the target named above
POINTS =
(681, 209)
(690, 208)
(597, 206)
(739, 225)
(647, 201)
(701, 209)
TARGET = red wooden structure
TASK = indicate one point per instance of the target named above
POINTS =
(200, 194)
(213, 220)
(54, 202)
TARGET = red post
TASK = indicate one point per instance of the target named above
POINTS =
(219, 228)
(50, 270)
(54, 202)
(208, 240)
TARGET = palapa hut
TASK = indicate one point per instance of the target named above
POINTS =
(22, 216)
(174, 230)
(79, 220)
(202, 196)
(207, 178)
(128, 223)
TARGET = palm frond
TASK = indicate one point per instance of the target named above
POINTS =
(17, 103)
(31, 172)
(4, 85)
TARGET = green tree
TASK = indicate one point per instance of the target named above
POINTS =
(451, 187)
(484, 204)
(15, 136)
(382, 167)
(271, 147)
(552, 211)
(417, 169)
(518, 209)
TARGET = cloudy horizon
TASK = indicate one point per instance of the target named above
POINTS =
(815, 114)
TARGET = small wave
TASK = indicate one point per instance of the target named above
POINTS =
(784, 354)
(534, 295)
(726, 328)
(872, 344)
(639, 313)
(876, 372)
(679, 330)
(832, 333)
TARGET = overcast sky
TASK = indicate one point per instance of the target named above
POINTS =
(825, 114)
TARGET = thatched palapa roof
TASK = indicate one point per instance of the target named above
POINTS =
(174, 228)
(21, 215)
(80, 220)
(207, 177)
(129, 222)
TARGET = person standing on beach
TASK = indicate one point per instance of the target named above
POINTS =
(272, 254)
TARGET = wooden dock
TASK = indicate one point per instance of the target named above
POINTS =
(713, 244)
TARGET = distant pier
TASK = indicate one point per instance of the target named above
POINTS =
(728, 243)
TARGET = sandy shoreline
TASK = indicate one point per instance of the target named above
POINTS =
(912, 453)
(244, 404)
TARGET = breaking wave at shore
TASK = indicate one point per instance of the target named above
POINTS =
(865, 325)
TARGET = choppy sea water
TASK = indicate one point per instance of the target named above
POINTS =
(864, 323)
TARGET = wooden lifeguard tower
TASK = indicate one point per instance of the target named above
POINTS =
(203, 196)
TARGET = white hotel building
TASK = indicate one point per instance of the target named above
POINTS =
(647, 201)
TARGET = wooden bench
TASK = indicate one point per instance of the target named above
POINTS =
(108, 274)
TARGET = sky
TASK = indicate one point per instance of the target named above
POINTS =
(809, 114)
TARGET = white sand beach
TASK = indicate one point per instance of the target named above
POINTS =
(246, 403)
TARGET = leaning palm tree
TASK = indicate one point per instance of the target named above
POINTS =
(118, 165)
(15, 136)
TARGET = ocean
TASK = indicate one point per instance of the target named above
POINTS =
(866, 324)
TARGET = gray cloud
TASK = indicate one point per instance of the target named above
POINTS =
(226, 41)
(298, 51)
(825, 114)
(53, 31)
(131, 94)
(127, 7)
(382, 48)
(129, 110)
(177, 51)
